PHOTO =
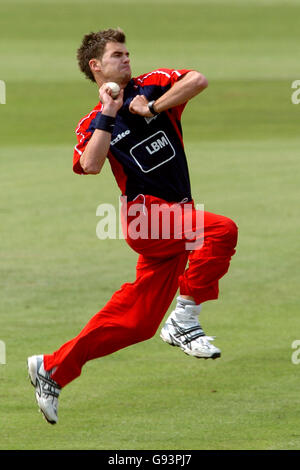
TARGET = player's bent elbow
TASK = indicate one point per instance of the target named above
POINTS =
(91, 170)
(88, 168)
(204, 83)
(199, 81)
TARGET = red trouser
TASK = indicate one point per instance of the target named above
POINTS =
(134, 312)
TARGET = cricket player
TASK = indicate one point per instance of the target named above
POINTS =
(139, 133)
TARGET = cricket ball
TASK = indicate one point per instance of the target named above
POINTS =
(115, 89)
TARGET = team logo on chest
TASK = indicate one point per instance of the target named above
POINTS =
(149, 119)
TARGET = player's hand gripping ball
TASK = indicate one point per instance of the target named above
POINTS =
(113, 89)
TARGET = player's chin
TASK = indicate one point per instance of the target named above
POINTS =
(126, 75)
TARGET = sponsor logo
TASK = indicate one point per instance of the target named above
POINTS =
(120, 137)
(153, 152)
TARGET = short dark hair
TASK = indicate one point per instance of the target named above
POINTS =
(93, 46)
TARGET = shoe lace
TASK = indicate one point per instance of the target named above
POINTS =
(49, 386)
(190, 334)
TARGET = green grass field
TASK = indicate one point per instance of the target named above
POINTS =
(242, 141)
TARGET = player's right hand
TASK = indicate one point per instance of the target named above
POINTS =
(110, 106)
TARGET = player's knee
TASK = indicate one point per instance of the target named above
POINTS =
(230, 230)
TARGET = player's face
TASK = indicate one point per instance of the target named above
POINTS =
(115, 63)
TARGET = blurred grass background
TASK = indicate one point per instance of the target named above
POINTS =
(242, 141)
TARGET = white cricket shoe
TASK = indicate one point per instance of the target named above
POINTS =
(183, 329)
(46, 389)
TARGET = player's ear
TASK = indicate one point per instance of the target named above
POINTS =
(95, 65)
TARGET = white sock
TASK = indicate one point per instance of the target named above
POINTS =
(186, 308)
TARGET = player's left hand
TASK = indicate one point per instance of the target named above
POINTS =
(139, 105)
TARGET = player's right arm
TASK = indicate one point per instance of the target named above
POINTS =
(96, 150)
